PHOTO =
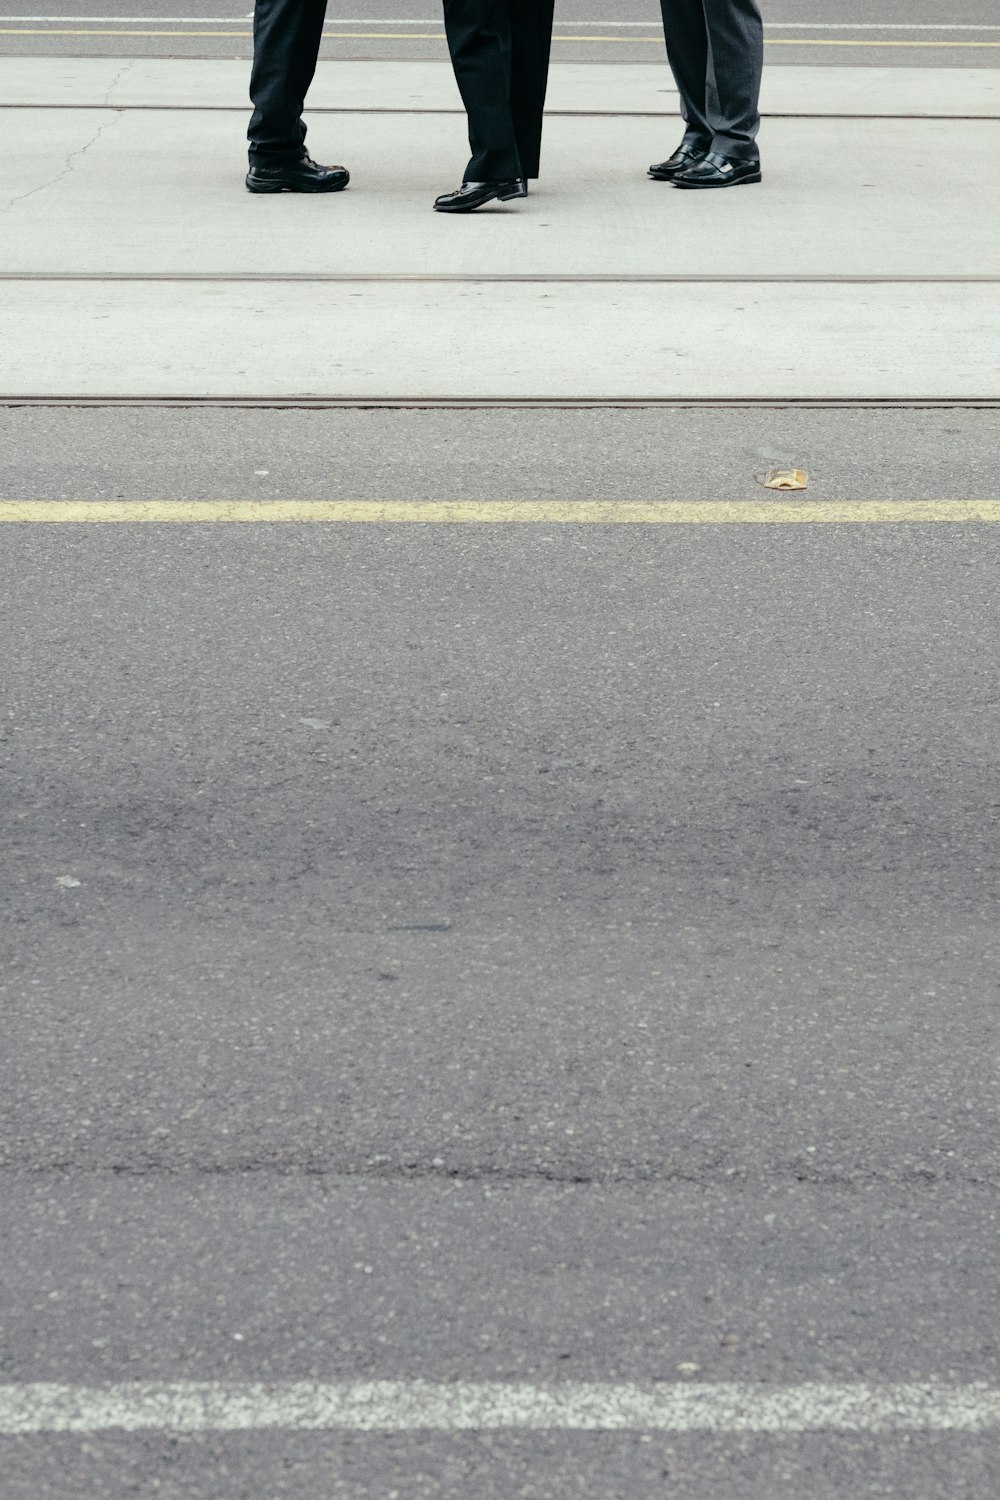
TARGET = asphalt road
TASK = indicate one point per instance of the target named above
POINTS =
(854, 33)
(499, 952)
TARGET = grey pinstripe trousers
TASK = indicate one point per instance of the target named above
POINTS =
(716, 53)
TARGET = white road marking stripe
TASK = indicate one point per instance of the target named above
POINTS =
(417, 1405)
(874, 26)
(138, 20)
(436, 21)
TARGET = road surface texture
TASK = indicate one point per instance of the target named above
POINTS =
(903, 33)
(500, 953)
(499, 1007)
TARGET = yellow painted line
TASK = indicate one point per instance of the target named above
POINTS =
(359, 36)
(439, 36)
(506, 512)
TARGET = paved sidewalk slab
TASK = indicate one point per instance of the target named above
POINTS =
(623, 88)
(497, 340)
(161, 193)
(881, 280)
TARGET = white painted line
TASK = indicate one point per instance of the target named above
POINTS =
(436, 21)
(873, 26)
(139, 20)
(417, 1405)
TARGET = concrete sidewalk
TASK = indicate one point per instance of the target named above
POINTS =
(866, 265)
(410, 87)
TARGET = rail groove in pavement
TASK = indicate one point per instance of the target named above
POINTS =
(463, 278)
(394, 109)
(510, 403)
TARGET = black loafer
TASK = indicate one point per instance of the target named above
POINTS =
(717, 171)
(303, 176)
(683, 157)
(472, 195)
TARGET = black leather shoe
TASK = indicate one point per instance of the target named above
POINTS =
(472, 195)
(683, 157)
(717, 171)
(304, 176)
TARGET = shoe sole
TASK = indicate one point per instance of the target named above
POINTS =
(281, 187)
(732, 182)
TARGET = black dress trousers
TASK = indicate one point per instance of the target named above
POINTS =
(500, 52)
(716, 54)
(286, 38)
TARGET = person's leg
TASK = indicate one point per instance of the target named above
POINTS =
(736, 62)
(479, 41)
(286, 37)
(686, 35)
(531, 44)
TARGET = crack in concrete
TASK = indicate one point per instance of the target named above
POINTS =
(73, 156)
(128, 67)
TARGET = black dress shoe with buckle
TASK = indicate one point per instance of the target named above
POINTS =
(717, 171)
(683, 157)
(302, 176)
(472, 195)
